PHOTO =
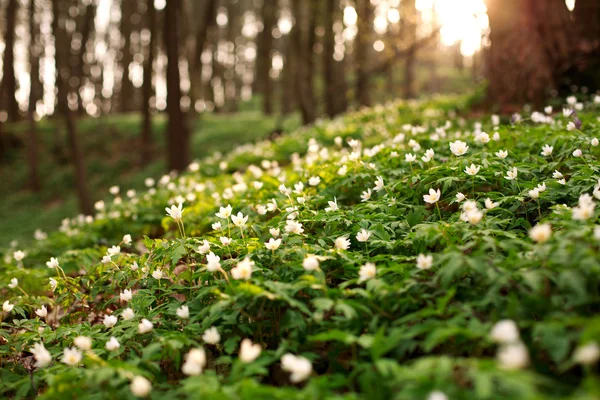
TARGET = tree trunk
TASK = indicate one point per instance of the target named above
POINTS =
(301, 53)
(534, 49)
(207, 14)
(363, 49)
(178, 149)
(9, 82)
(127, 100)
(264, 47)
(88, 26)
(85, 204)
(328, 51)
(147, 85)
(32, 145)
(409, 31)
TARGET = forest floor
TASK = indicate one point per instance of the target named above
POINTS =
(111, 148)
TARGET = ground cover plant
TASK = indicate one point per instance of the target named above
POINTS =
(399, 252)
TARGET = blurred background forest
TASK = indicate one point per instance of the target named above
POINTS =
(96, 93)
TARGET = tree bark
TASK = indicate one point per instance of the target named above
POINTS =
(363, 49)
(301, 53)
(88, 26)
(328, 51)
(127, 100)
(409, 31)
(207, 14)
(85, 204)
(178, 151)
(32, 145)
(147, 88)
(264, 83)
(9, 83)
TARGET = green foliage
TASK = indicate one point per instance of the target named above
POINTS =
(375, 320)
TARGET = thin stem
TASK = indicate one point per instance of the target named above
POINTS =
(22, 291)
(222, 271)
(539, 209)
(438, 210)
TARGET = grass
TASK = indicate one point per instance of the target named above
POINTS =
(111, 159)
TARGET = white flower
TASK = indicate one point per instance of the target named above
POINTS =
(567, 112)
(571, 100)
(433, 196)
(332, 205)
(110, 321)
(489, 204)
(7, 307)
(505, 331)
(204, 247)
(571, 126)
(114, 190)
(211, 335)
(19, 255)
(366, 272)
(410, 158)
(342, 243)
(502, 154)
(437, 395)
(577, 153)
(145, 326)
(482, 138)
(42, 312)
(540, 233)
(71, 356)
(239, 220)
(587, 354)
(460, 197)
(213, 262)
(293, 226)
(424, 261)
(597, 232)
(548, 110)
(53, 284)
(216, 226)
(541, 187)
(225, 241)
(378, 184)
(127, 314)
(183, 312)
(83, 342)
(472, 169)
(594, 142)
(157, 274)
(249, 351)
(363, 235)
(512, 174)
(495, 120)
(53, 263)
(127, 239)
(557, 175)
(496, 136)
(273, 244)
(283, 189)
(300, 368)
(175, 212)
(113, 344)
(458, 148)
(366, 195)
(140, 386)
(534, 193)
(243, 270)
(14, 282)
(513, 356)
(126, 295)
(310, 263)
(195, 360)
(106, 260)
(41, 355)
(547, 150)
(314, 181)
(274, 232)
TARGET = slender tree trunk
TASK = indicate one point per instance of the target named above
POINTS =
(207, 13)
(231, 76)
(9, 82)
(32, 145)
(363, 50)
(88, 26)
(147, 85)
(178, 151)
(265, 46)
(300, 43)
(328, 51)
(409, 32)
(127, 101)
(85, 204)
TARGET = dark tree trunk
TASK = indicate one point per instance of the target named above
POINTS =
(535, 48)
(301, 54)
(127, 101)
(231, 77)
(207, 13)
(264, 83)
(32, 145)
(178, 149)
(9, 83)
(363, 50)
(147, 88)
(85, 204)
(88, 26)
(328, 51)
(409, 32)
